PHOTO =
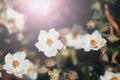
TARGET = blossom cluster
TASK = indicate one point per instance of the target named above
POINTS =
(49, 42)
(18, 65)
(58, 48)
(87, 42)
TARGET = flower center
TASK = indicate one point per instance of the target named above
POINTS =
(11, 20)
(75, 36)
(30, 69)
(114, 78)
(15, 63)
(49, 42)
(93, 43)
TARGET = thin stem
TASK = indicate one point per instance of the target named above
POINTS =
(111, 30)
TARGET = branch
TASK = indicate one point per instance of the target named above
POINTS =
(110, 19)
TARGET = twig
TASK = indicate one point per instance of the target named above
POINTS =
(111, 30)
(110, 19)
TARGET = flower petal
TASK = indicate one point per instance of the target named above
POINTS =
(53, 33)
(20, 55)
(8, 58)
(42, 35)
(59, 44)
(51, 52)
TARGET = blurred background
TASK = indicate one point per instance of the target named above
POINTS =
(81, 16)
(60, 13)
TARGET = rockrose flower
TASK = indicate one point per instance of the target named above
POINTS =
(14, 63)
(110, 76)
(30, 70)
(14, 20)
(48, 42)
(93, 41)
(74, 40)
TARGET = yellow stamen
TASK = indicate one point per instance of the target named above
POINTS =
(49, 42)
(114, 78)
(93, 43)
(75, 36)
(12, 20)
(30, 69)
(15, 63)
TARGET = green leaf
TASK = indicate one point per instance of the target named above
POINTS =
(112, 38)
(96, 15)
(104, 28)
(42, 70)
(102, 24)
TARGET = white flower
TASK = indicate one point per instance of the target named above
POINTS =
(85, 42)
(48, 42)
(93, 41)
(14, 63)
(110, 76)
(74, 40)
(30, 70)
(14, 21)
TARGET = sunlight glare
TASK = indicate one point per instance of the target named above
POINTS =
(42, 6)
